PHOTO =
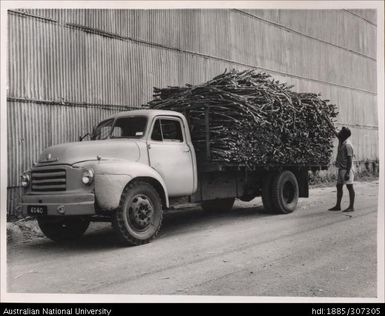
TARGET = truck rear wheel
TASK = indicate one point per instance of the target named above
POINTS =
(139, 217)
(267, 199)
(284, 192)
(62, 229)
(219, 205)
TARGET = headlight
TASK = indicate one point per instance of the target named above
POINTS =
(88, 176)
(25, 179)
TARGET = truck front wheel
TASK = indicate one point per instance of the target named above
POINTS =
(61, 229)
(219, 205)
(284, 192)
(139, 217)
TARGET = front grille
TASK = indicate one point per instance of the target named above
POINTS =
(48, 180)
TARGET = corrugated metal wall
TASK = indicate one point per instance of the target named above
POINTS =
(69, 69)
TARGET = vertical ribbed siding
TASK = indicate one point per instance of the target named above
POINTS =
(52, 61)
(175, 27)
(312, 23)
(369, 15)
(249, 40)
(252, 42)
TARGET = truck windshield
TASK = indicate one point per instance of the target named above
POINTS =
(102, 131)
(124, 127)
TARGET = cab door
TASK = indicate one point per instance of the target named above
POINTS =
(170, 155)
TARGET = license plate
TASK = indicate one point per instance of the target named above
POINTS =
(37, 210)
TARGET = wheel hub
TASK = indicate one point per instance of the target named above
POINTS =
(141, 211)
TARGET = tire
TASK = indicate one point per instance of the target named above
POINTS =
(61, 229)
(285, 192)
(219, 205)
(139, 217)
(266, 193)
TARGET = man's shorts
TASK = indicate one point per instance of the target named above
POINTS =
(341, 176)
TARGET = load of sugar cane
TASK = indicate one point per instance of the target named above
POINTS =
(253, 120)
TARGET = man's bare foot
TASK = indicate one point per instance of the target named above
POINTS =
(349, 209)
(335, 208)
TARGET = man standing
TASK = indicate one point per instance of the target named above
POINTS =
(345, 175)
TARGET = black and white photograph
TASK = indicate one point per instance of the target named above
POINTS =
(192, 151)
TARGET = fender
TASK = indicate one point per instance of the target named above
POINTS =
(111, 177)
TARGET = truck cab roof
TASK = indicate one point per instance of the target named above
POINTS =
(146, 112)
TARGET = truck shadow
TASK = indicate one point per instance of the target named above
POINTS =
(175, 222)
(95, 239)
(100, 236)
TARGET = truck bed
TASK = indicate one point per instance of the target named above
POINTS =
(213, 166)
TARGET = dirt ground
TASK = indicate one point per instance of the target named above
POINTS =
(245, 252)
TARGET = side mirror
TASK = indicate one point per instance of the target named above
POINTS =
(82, 137)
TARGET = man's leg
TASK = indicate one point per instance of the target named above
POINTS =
(339, 198)
(351, 198)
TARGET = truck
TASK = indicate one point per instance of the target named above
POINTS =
(135, 167)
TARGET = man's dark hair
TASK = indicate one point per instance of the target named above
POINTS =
(347, 131)
(344, 133)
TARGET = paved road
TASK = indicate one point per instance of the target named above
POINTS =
(311, 252)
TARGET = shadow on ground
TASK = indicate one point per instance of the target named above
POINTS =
(100, 236)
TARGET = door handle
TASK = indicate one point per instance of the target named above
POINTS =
(186, 149)
(148, 146)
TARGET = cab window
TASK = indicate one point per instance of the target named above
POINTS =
(129, 127)
(167, 130)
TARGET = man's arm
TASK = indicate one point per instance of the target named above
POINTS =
(349, 163)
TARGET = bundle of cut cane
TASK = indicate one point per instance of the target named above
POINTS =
(253, 120)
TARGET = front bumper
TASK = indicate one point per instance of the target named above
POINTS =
(68, 204)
